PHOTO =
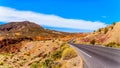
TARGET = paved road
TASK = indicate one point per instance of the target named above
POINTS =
(98, 57)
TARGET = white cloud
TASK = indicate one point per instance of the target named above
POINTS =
(9, 14)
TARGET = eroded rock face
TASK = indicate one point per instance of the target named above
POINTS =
(12, 45)
(114, 34)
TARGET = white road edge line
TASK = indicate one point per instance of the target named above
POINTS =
(81, 51)
(85, 53)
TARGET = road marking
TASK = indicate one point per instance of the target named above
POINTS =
(81, 51)
(85, 53)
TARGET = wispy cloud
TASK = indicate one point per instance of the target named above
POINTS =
(10, 14)
(104, 16)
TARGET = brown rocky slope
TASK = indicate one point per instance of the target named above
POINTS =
(107, 35)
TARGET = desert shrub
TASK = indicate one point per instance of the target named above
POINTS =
(105, 30)
(68, 53)
(53, 40)
(64, 46)
(44, 55)
(99, 30)
(56, 55)
(55, 66)
(50, 64)
(94, 31)
(22, 62)
(113, 44)
(1, 63)
(92, 42)
(35, 65)
(27, 53)
(74, 41)
(114, 23)
(47, 63)
(111, 27)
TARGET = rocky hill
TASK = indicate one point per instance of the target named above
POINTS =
(107, 35)
(18, 26)
(28, 29)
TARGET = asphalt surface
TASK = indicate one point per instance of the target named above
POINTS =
(97, 56)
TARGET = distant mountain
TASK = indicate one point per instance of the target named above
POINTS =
(27, 29)
(106, 35)
(19, 26)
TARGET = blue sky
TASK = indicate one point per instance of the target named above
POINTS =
(98, 13)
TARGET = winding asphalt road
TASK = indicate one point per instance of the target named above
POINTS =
(97, 56)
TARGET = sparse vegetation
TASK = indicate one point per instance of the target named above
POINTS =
(64, 46)
(46, 59)
(74, 41)
(105, 30)
(68, 53)
(99, 30)
(94, 31)
(114, 23)
(48, 63)
(35, 65)
(93, 42)
(1, 63)
(112, 27)
(113, 44)
(57, 55)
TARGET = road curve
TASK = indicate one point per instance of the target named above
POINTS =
(98, 57)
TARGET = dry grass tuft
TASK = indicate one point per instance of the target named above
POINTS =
(68, 53)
